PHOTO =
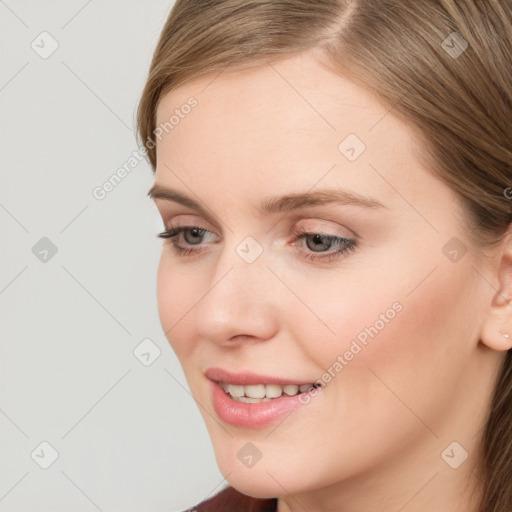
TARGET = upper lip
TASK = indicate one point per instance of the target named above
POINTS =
(248, 378)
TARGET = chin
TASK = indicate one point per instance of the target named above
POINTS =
(264, 480)
(261, 486)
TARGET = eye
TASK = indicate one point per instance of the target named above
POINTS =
(197, 233)
(317, 241)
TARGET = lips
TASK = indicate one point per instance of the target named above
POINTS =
(256, 413)
(248, 378)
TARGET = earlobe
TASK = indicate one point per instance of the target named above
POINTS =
(497, 339)
(497, 329)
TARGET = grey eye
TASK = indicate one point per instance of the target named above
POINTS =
(317, 242)
(197, 235)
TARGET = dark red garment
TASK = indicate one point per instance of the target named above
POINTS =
(230, 500)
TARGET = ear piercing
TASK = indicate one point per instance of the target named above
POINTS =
(505, 334)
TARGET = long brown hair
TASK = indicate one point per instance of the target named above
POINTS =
(443, 66)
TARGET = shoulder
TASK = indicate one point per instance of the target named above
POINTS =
(230, 500)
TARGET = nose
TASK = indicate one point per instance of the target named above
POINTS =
(240, 302)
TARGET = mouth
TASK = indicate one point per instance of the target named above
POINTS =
(249, 400)
(257, 393)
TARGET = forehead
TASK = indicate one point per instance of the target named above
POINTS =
(290, 90)
(293, 118)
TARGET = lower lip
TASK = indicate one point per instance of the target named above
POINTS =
(241, 414)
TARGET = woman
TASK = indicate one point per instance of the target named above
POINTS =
(334, 178)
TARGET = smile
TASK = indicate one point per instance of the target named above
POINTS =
(256, 393)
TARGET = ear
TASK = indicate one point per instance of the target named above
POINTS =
(498, 321)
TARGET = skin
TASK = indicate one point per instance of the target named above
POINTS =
(372, 438)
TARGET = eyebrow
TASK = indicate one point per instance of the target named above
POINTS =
(279, 204)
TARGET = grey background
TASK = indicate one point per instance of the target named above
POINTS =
(128, 436)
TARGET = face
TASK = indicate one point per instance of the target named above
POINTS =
(375, 299)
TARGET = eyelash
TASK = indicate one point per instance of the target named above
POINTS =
(349, 244)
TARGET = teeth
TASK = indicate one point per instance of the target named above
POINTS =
(251, 400)
(235, 391)
(255, 391)
(291, 389)
(273, 390)
(263, 392)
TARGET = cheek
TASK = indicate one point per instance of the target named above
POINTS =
(407, 324)
(396, 342)
(427, 346)
(175, 297)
